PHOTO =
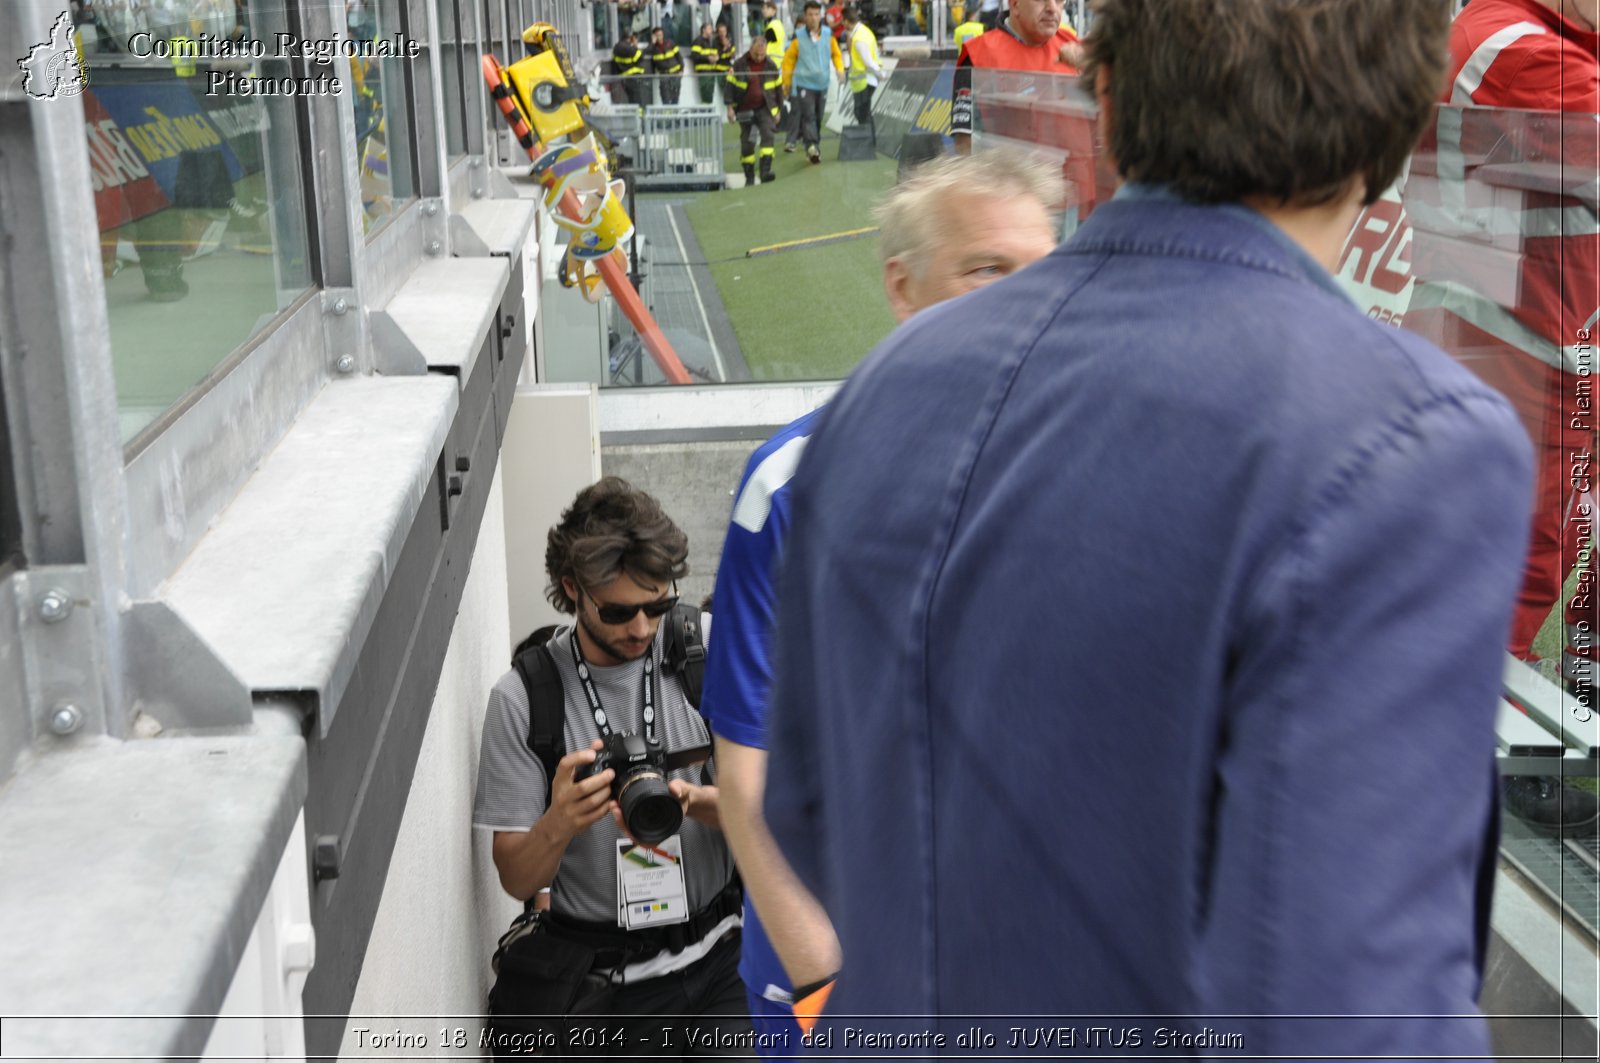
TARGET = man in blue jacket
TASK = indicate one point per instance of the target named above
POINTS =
(1142, 622)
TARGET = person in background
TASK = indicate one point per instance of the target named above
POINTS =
(708, 70)
(1535, 346)
(986, 626)
(752, 91)
(866, 72)
(953, 226)
(1033, 38)
(727, 50)
(627, 63)
(666, 63)
(805, 76)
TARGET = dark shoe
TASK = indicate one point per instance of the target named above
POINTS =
(813, 154)
(1547, 803)
(767, 176)
(749, 176)
(165, 285)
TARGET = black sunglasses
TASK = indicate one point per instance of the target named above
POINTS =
(611, 613)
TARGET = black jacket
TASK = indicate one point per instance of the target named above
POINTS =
(739, 81)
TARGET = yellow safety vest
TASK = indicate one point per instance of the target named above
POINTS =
(966, 31)
(775, 51)
(184, 54)
(863, 46)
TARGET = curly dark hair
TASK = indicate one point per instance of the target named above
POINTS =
(1287, 99)
(612, 527)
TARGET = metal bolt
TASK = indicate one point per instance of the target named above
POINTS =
(474, 164)
(346, 364)
(430, 209)
(66, 719)
(478, 193)
(341, 306)
(54, 606)
(434, 247)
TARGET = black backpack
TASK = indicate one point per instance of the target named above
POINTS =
(683, 654)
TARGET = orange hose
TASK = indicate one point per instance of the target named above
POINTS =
(613, 268)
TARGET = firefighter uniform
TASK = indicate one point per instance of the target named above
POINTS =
(707, 65)
(627, 61)
(666, 62)
(754, 92)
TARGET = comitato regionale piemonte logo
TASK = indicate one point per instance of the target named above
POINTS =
(53, 68)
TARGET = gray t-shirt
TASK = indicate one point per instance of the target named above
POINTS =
(511, 781)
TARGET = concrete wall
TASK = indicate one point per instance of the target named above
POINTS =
(694, 482)
(442, 908)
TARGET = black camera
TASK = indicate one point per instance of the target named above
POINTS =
(640, 785)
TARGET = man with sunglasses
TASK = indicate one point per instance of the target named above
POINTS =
(612, 562)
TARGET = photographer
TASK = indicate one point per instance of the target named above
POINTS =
(673, 949)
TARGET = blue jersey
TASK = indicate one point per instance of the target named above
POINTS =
(739, 660)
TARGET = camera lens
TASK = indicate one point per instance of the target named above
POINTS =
(648, 808)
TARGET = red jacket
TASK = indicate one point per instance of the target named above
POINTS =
(1499, 204)
(1062, 120)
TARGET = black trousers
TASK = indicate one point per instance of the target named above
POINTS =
(863, 105)
(809, 103)
(756, 127)
(698, 1012)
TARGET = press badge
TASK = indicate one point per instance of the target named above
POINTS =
(650, 890)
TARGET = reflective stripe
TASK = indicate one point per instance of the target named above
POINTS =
(766, 151)
(748, 160)
(1550, 222)
(1489, 316)
(1477, 65)
(1452, 163)
(754, 504)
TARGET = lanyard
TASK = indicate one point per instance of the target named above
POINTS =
(647, 695)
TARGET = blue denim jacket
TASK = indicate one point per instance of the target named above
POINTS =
(1139, 644)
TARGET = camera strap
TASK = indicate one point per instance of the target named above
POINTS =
(647, 695)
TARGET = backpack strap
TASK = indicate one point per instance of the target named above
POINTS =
(683, 653)
(546, 708)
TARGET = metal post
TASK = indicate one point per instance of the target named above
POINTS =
(938, 14)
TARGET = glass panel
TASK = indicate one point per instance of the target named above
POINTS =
(10, 512)
(383, 117)
(456, 63)
(1489, 247)
(199, 196)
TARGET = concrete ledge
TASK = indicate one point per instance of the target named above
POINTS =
(286, 584)
(134, 875)
(492, 226)
(439, 317)
(717, 412)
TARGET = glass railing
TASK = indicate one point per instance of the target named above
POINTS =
(457, 63)
(383, 123)
(198, 192)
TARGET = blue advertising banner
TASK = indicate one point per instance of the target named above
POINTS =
(183, 150)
